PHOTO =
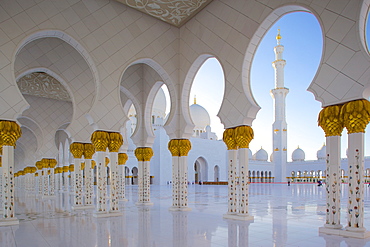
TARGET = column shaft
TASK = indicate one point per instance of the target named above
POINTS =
(113, 181)
(175, 181)
(232, 182)
(8, 182)
(355, 211)
(89, 192)
(243, 181)
(101, 202)
(45, 179)
(333, 182)
(183, 181)
(78, 183)
(52, 182)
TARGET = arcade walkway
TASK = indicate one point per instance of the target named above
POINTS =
(284, 216)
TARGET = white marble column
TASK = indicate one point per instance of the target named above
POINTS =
(9, 133)
(45, 180)
(175, 183)
(243, 211)
(77, 150)
(144, 154)
(72, 179)
(52, 164)
(355, 216)
(113, 182)
(229, 139)
(243, 136)
(115, 142)
(122, 158)
(179, 149)
(332, 124)
(100, 140)
(89, 191)
(88, 153)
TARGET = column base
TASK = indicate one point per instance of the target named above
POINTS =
(144, 204)
(339, 226)
(9, 222)
(100, 214)
(115, 213)
(242, 217)
(174, 208)
(48, 197)
(352, 233)
(82, 207)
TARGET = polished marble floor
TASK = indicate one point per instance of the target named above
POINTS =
(283, 216)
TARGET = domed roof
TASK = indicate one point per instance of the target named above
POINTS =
(159, 104)
(250, 156)
(261, 155)
(298, 155)
(200, 116)
(321, 154)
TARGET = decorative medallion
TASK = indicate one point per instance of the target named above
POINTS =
(174, 12)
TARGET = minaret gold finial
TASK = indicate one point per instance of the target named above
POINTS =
(278, 37)
(195, 99)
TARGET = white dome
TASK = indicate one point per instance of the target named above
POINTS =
(200, 116)
(261, 155)
(159, 104)
(298, 155)
(321, 154)
(250, 156)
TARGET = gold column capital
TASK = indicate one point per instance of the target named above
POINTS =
(39, 165)
(107, 160)
(179, 147)
(82, 165)
(45, 163)
(100, 139)
(144, 153)
(52, 163)
(93, 164)
(9, 133)
(229, 139)
(115, 141)
(71, 167)
(243, 136)
(1, 161)
(330, 121)
(65, 168)
(77, 149)
(355, 115)
(89, 150)
(122, 158)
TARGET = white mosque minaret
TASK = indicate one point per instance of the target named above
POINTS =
(279, 126)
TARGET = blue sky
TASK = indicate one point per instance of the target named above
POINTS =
(302, 39)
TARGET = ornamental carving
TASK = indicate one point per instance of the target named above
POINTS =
(355, 115)
(122, 158)
(329, 120)
(179, 147)
(43, 85)
(229, 139)
(144, 153)
(243, 136)
(174, 12)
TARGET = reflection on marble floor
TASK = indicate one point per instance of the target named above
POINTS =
(283, 216)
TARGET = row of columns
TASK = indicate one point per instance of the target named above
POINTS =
(354, 116)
